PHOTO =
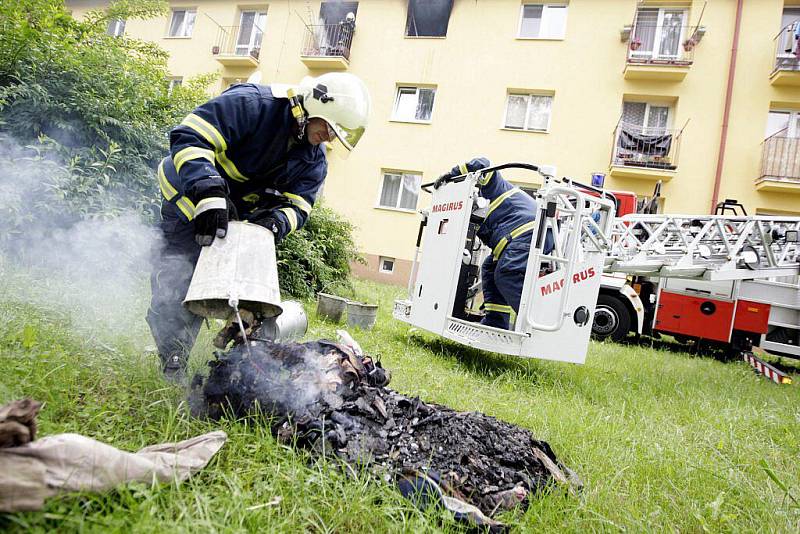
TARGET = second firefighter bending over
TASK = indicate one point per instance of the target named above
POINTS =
(507, 230)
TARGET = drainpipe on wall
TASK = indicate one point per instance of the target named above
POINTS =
(728, 96)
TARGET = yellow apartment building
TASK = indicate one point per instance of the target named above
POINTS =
(701, 95)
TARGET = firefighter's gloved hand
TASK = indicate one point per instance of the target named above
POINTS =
(211, 217)
(440, 181)
(271, 224)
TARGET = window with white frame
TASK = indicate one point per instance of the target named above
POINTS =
(400, 190)
(251, 31)
(116, 27)
(414, 104)
(543, 21)
(783, 123)
(646, 118)
(182, 22)
(528, 112)
(658, 33)
(385, 265)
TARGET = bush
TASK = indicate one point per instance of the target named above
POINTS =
(317, 257)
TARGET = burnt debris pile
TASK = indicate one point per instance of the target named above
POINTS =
(324, 397)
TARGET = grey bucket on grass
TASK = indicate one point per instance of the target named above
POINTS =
(330, 307)
(361, 315)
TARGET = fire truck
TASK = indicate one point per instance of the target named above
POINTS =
(728, 279)
(607, 274)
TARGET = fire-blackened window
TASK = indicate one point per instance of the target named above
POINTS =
(428, 18)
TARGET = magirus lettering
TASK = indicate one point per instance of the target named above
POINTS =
(448, 206)
(556, 285)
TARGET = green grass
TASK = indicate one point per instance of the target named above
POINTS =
(663, 441)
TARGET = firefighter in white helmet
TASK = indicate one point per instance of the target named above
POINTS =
(256, 152)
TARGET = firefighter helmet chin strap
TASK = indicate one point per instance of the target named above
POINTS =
(298, 113)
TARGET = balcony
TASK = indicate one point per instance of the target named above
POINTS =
(327, 46)
(786, 70)
(780, 164)
(661, 52)
(645, 153)
(238, 46)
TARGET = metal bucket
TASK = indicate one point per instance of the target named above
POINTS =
(240, 270)
(361, 315)
(330, 307)
(290, 325)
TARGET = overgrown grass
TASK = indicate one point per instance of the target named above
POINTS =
(663, 441)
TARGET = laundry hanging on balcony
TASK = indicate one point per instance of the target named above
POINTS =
(649, 145)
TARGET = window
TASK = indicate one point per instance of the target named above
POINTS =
(658, 33)
(400, 190)
(783, 124)
(385, 265)
(428, 18)
(173, 83)
(649, 119)
(528, 112)
(182, 22)
(116, 27)
(251, 31)
(414, 104)
(543, 21)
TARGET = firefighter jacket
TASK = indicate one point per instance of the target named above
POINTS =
(243, 142)
(511, 212)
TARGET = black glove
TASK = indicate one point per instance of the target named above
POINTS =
(211, 217)
(440, 181)
(270, 223)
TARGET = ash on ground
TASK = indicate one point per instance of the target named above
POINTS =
(323, 396)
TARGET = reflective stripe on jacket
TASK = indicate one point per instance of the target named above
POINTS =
(511, 212)
(243, 142)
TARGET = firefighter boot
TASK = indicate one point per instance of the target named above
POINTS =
(174, 368)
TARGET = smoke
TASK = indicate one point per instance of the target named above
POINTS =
(282, 380)
(94, 270)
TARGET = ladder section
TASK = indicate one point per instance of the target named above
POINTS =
(710, 247)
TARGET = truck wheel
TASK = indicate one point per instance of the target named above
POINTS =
(612, 320)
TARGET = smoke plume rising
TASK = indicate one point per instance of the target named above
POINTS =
(93, 269)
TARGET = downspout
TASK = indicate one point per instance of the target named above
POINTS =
(728, 97)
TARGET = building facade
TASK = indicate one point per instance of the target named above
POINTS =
(634, 92)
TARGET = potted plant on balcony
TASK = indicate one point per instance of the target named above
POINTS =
(215, 50)
(255, 52)
(636, 44)
(689, 44)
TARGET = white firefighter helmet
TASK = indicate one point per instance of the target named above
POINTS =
(342, 100)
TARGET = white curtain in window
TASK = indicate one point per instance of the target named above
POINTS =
(408, 199)
(425, 104)
(777, 121)
(538, 112)
(645, 30)
(516, 110)
(390, 193)
(182, 23)
(671, 29)
(633, 113)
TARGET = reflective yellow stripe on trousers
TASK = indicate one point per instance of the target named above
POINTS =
(515, 233)
(500, 308)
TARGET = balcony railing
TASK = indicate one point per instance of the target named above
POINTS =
(328, 40)
(232, 41)
(787, 48)
(646, 147)
(780, 158)
(655, 44)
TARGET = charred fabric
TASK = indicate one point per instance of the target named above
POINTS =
(325, 397)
